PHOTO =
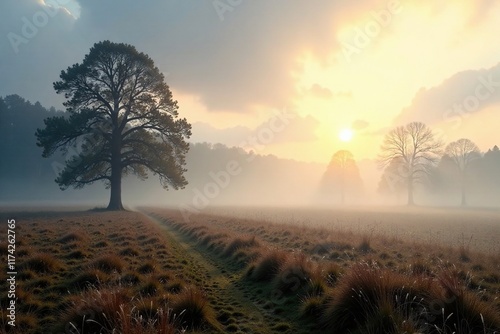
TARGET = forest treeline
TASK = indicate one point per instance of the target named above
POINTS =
(219, 174)
(256, 179)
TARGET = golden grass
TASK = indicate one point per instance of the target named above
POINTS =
(356, 279)
(86, 272)
(384, 284)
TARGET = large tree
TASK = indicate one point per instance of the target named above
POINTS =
(341, 176)
(413, 149)
(121, 119)
(462, 152)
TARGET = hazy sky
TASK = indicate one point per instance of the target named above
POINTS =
(283, 76)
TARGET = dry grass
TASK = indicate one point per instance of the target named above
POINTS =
(41, 264)
(383, 285)
(238, 244)
(267, 266)
(120, 270)
(86, 272)
(108, 263)
(112, 310)
(192, 309)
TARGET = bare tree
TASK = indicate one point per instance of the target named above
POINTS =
(414, 149)
(462, 152)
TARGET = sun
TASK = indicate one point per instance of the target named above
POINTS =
(345, 135)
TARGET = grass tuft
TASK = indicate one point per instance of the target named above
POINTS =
(267, 266)
(72, 237)
(108, 264)
(294, 273)
(42, 263)
(239, 243)
(192, 309)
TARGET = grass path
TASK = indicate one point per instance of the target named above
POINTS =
(237, 307)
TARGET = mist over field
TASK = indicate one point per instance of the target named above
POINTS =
(249, 166)
(276, 110)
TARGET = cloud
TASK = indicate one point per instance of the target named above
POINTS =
(204, 132)
(319, 91)
(250, 58)
(459, 96)
(247, 59)
(359, 124)
(35, 38)
(287, 127)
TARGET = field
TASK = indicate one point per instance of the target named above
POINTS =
(254, 270)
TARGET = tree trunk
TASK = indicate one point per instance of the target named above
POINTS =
(410, 191)
(115, 200)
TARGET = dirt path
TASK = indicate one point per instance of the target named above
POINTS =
(237, 307)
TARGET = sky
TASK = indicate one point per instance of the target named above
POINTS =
(282, 77)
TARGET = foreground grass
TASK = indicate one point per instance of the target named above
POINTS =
(346, 283)
(98, 272)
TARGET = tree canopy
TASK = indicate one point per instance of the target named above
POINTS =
(121, 120)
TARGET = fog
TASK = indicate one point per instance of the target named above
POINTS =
(221, 176)
(296, 62)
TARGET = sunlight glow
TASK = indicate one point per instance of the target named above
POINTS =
(346, 135)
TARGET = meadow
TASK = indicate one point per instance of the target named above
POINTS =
(255, 270)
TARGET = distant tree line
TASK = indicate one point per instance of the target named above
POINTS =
(21, 158)
(26, 175)
(412, 155)
(457, 173)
